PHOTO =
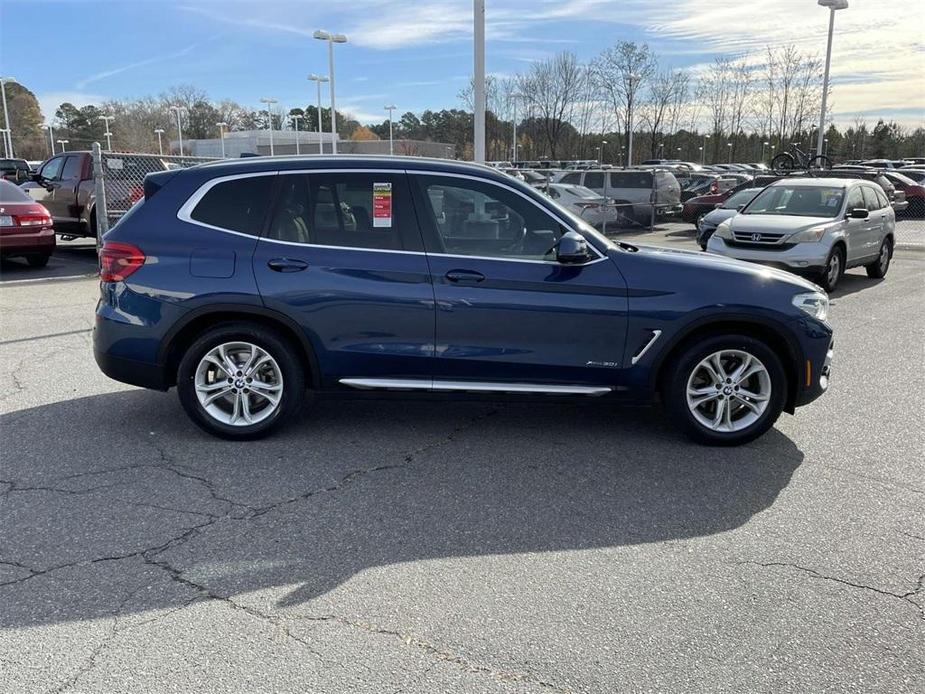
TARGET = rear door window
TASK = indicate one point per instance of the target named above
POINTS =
(630, 179)
(73, 168)
(574, 178)
(349, 210)
(594, 179)
(238, 204)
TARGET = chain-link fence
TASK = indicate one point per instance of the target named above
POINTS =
(119, 180)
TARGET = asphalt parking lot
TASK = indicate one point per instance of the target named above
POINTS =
(463, 547)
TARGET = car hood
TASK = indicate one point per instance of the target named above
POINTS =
(719, 215)
(785, 224)
(711, 263)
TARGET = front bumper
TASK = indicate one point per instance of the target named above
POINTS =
(817, 375)
(801, 257)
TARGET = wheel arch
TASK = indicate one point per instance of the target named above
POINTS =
(196, 322)
(786, 348)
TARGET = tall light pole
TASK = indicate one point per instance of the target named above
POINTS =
(478, 12)
(269, 102)
(661, 150)
(51, 139)
(221, 134)
(390, 109)
(106, 120)
(629, 116)
(703, 150)
(603, 149)
(729, 147)
(833, 5)
(763, 145)
(331, 39)
(318, 79)
(295, 118)
(8, 134)
(177, 110)
(62, 143)
(160, 145)
(514, 98)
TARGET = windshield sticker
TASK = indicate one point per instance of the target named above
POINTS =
(382, 205)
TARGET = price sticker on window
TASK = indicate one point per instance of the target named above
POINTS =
(382, 205)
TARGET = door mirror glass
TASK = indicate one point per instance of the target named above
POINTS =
(572, 248)
(859, 213)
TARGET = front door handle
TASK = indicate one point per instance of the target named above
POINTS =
(464, 276)
(287, 265)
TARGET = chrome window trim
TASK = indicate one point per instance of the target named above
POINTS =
(437, 385)
(186, 210)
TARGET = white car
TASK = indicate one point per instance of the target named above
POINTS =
(584, 202)
(814, 226)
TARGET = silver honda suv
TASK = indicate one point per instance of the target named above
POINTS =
(814, 226)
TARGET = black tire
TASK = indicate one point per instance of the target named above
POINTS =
(878, 269)
(279, 348)
(700, 217)
(38, 260)
(674, 389)
(829, 278)
(820, 162)
(783, 162)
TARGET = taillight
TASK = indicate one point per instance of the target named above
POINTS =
(31, 220)
(118, 260)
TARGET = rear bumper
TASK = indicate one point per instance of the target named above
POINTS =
(28, 242)
(135, 373)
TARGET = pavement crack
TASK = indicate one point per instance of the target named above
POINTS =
(438, 652)
(905, 597)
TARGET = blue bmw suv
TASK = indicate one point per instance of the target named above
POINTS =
(245, 283)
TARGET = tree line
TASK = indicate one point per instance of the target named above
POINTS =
(742, 108)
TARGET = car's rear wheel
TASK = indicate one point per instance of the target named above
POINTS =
(833, 270)
(726, 390)
(878, 268)
(38, 260)
(240, 381)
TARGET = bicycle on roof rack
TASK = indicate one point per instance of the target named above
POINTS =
(796, 159)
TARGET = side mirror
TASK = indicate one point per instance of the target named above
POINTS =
(572, 248)
(37, 177)
(859, 213)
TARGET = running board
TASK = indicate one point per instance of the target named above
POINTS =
(471, 386)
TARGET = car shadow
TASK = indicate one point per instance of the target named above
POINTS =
(855, 280)
(70, 259)
(102, 491)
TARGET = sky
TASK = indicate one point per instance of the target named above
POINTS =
(417, 54)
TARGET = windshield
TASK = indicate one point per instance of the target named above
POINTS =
(739, 198)
(798, 201)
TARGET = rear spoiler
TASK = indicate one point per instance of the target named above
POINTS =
(155, 181)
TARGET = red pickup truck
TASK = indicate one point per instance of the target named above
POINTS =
(64, 185)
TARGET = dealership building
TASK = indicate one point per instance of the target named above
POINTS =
(307, 142)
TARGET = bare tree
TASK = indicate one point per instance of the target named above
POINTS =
(552, 88)
(621, 73)
(660, 107)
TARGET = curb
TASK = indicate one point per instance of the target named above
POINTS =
(914, 247)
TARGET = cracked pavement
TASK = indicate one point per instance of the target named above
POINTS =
(470, 547)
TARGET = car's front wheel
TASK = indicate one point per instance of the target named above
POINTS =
(726, 390)
(240, 381)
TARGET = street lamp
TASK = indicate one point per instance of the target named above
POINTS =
(160, 146)
(177, 110)
(478, 106)
(295, 117)
(390, 109)
(8, 132)
(825, 146)
(833, 5)
(51, 138)
(331, 39)
(603, 149)
(629, 116)
(106, 120)
(729, 146)
(703, 150)
(269, 102)
(318, 79)
(763, 145)
(514, 98)
(62, 143)
(661, 149)
(701, 154)
(221, 135)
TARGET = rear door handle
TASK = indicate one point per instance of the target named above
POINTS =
(287, 265)
(464, 276)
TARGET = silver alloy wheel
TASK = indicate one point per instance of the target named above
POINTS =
(729, 390)
(834, 269)
(238, 383)
(884, 257)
